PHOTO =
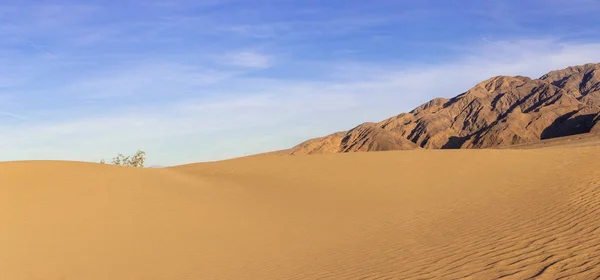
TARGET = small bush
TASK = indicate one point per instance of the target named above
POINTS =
(137, 160)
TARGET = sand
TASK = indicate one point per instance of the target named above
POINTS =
(423, 214)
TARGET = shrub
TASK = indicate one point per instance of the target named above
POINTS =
(137, 160)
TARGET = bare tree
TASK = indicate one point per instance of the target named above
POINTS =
(137, 160)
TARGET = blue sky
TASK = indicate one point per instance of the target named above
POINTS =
(203, 80)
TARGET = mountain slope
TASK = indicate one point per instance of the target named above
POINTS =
(498, 112)
(365, 137)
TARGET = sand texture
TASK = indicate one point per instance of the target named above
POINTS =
(419, 214)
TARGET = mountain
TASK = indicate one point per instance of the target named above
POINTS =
(498, 112)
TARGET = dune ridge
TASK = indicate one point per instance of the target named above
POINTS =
(419, 214)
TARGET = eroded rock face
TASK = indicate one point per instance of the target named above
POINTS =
(497, 112)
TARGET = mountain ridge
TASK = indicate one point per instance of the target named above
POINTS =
(498, 112)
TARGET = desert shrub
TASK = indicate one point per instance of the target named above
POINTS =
(136, 160)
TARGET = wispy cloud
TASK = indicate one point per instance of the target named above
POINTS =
(12, 115)
(146, 80)
(247, 59)
(319, 27)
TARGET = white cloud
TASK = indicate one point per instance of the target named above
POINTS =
(146, 79)
(246, 59)
(12, 115)
(405, 86)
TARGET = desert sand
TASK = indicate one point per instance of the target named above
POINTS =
(419, 214)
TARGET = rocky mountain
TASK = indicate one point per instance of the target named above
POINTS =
(498, 112)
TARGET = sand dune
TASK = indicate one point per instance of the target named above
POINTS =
(421, 214)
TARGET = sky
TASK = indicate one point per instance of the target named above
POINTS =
(190, 81)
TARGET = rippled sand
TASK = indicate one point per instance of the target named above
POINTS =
(479, 214)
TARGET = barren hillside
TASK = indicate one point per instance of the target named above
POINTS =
(499, 112)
